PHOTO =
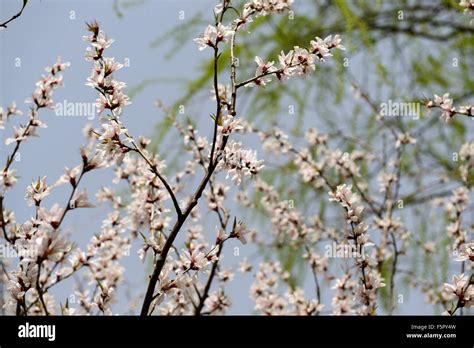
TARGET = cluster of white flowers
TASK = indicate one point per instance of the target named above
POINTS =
(404, 139)
(37, 191)
(462, 289)
(46, 257)
(179, 281)
(466, 252)
(216, 195)
(298, 61)
(286, 220)
(8, 179)
(371, 279)
(343, 302)
(213, 35)
(265, 7)
(37, 242)
(20, 282)
(445, 103)
(146, 209)
(239, 162)
(290, 229)
(41, 98)
(386, 180)
(43, 95)
(468, 6)
(102, 260)
(348, 200)
(101, 78)
(315, 172)
(229, 124)
(257, 8)
(264, 290)
(41, 246)
(217, 303)
(11, 111)
(268, 300)
(318, 173)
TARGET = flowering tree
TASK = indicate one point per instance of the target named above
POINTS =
(354, 256)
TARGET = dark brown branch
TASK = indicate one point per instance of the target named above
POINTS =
(4, 24)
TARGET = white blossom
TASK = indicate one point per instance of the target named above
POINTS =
(213, 35)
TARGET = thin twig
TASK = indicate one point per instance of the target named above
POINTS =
(4, 24)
